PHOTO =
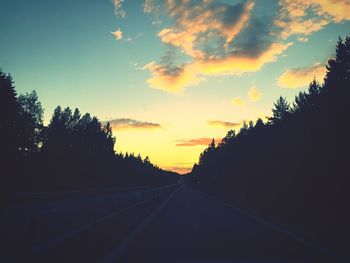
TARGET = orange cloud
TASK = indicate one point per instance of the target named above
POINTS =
(254, 94)
(125, 123)
(226, 39)
(301, 77)
(236, 63)
(225, 124)
(295, 19)
(238, 101)
(210, 33)
(118, 34)
(175, 79)
(203, 19)
(172, 79)
(339, 10)
(195, 142)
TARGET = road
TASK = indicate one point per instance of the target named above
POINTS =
(194, 227)
(177, 225)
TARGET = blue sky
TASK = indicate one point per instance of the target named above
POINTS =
(166, 69)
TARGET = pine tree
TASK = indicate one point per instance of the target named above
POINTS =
(31, 114)
(338, 70)
(9, 115)
(281, 111)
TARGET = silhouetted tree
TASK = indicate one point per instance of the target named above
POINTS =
(338, 68)
(109, 141)
(295, 168)
(31, 114)
(73, 151)
(56, 138)
(259, 124)
(230, 136)
(9, 116)
(68, 132)
(146, 160)
(281, 111)
(306, 100)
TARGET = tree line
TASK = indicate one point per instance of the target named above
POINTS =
(73, 151)
(294, 168)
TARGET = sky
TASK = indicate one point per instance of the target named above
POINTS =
(169, 75)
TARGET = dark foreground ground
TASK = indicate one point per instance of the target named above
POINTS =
(170, 224)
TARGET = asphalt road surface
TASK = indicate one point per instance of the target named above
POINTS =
(180, 224)
(194, 227)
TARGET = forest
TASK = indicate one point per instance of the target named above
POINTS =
(293, 169)
(74, 151)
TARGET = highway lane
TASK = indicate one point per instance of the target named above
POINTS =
(41, 223)
(194, 227)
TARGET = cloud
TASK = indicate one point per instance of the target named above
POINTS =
(171, 79)
(118, 34)
(196, 142)
(238, 101)
(238, 63)
(339, 10)
(225, 124)
(304, 17)
(218, 38)
(302, 76)
(254, 94)
(178, 77)
(157, 22)
(126, 123)
(197, 21)
(118, 9)
(150, 6)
